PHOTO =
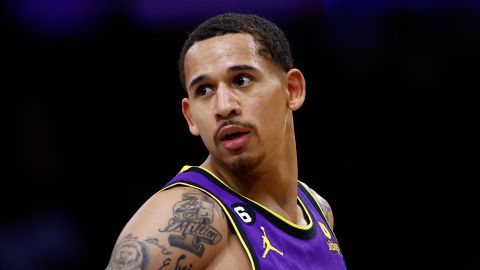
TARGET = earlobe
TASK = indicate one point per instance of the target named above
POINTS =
(296, 89)
(186, 113)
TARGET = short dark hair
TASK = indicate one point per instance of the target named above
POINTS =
(272, 41)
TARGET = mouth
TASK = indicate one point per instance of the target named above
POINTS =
(233, 137)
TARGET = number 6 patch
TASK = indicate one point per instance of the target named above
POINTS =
(244, 212)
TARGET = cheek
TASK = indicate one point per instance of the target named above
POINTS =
(270, 107)
(274, 114)
(203, 124)
(200, 124)
(269, 118)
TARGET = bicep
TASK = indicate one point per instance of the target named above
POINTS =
(181, 227)
(137, 252)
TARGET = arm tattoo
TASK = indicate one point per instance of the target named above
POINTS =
(154, 241)
(130, 253)
(327, 210)
(325, 206)
(190, 225)
(178, 265)
(221, 211)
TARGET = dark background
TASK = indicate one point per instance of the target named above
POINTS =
(92, 125)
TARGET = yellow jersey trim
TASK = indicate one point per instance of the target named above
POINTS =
(247, 250)
(305, 210)
(319, 206)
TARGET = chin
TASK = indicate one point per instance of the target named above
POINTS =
(245, 164)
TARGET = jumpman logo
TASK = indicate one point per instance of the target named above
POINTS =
(267, 246)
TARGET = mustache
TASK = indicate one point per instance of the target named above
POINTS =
(248, 126)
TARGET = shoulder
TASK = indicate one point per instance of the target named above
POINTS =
(180, 227)
(324, 205)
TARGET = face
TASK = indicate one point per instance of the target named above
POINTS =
(127, 256)
(238, 101)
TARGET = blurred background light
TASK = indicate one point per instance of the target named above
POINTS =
(57, 17)
(74, 17)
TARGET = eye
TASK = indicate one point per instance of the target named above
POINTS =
(242, 80)
(204, 90)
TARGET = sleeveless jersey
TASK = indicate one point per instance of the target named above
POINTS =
(270, 241)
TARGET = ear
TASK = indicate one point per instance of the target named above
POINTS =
(296, 88)
(186, 113)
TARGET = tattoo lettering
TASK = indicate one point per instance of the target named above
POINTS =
(178, 266)
(128, 254)
(131, 254)
(165, 263)
(191, 219)
(155, 241)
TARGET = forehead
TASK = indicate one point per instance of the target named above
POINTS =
(218, 46)
(221, 52)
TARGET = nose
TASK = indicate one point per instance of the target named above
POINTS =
(227, 102)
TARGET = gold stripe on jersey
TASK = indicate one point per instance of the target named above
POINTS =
(307, 188)
(247, 250)
(301, 227)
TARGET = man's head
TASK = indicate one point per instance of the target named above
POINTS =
(271, 41)
(242, 90)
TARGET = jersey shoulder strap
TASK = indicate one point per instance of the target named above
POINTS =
(202, 180)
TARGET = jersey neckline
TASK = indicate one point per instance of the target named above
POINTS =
(300, 231)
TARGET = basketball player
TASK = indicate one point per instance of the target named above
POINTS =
(243, 207)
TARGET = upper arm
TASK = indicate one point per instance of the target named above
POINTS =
(180, 228)
(325, 206)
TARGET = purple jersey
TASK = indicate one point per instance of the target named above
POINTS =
(271, 241)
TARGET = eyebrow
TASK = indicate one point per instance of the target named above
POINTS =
(232, 68)
(242, 67)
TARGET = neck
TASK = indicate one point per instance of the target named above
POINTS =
(273, 183)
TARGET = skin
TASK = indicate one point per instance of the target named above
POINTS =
(231, 88)
(265, 103)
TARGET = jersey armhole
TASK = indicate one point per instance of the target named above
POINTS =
(308, 193)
